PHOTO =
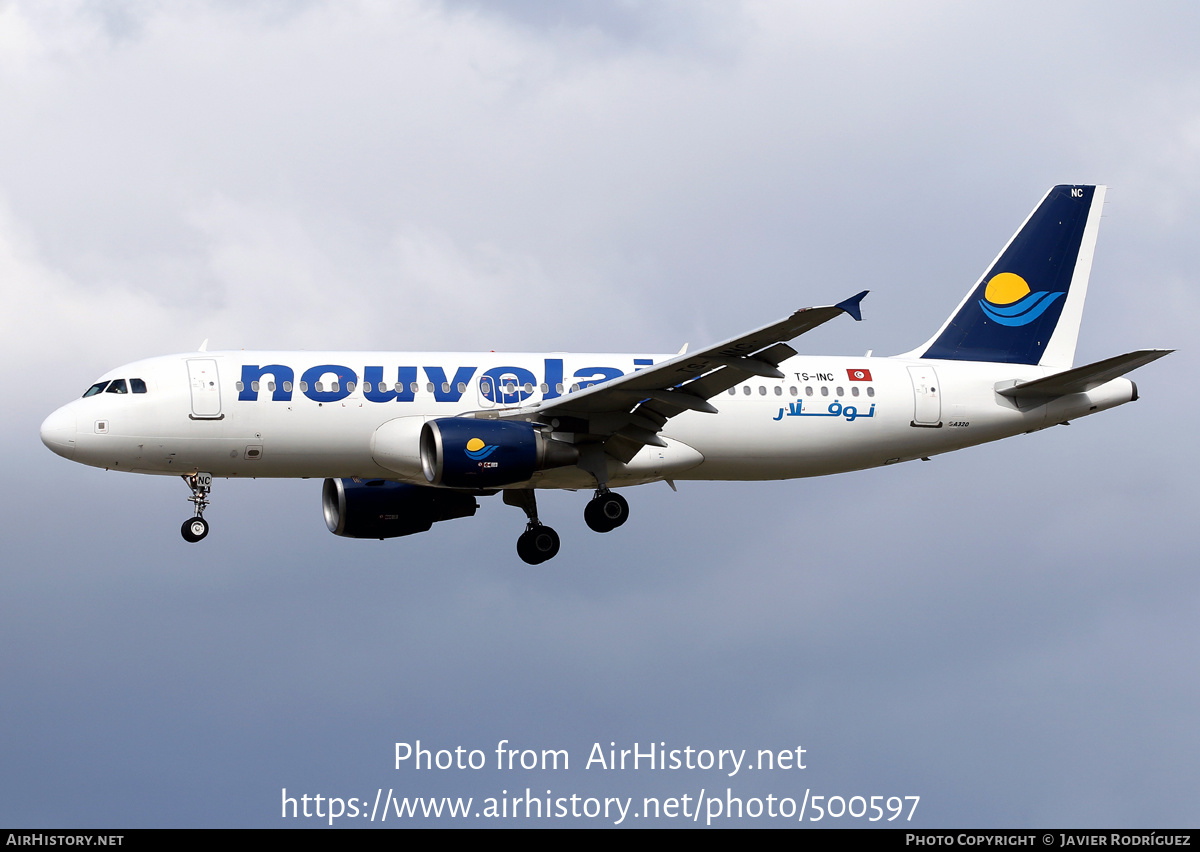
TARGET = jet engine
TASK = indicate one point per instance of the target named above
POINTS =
(461, 452)
(380, 509)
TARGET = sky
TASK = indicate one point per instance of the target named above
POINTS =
(1008, 632)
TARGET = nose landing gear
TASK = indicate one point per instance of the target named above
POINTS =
(196, 528)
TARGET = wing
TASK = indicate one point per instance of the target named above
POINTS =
(627, 413)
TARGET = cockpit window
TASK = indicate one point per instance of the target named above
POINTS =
(117, 386)
(94, 389)
(137, 385)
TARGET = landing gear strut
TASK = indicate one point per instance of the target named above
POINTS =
(539, 542)
(606, 511)
(196, 528)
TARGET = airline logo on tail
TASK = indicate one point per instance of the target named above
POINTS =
(1008, 300)
(1013, 311)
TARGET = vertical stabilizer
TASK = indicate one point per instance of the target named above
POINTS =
(1027, 307)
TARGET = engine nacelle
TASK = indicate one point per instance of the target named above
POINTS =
(377, 508)
(461, 452)
(396, 445)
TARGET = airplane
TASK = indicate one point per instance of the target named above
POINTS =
(406, 440)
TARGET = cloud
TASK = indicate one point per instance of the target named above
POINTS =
(626, 176)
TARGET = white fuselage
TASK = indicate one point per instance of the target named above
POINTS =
(223, 413)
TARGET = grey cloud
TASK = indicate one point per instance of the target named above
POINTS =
(1005, 631)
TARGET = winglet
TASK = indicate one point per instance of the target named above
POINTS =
(851, 307)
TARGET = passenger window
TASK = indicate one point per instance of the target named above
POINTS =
(778, 390)
(824, 390)
(870, 391)
(732, 392)
(841, 392)
(414, 387)
(117, 387)
(287, 386)
(366, 387)
(304, 387)
(793, 390)
(746, 390)
(94, 389)
(808, 391)
(462, 387)
(137, 385)
(445, 387)
(854, 390)
(254, 386)
(762, 391)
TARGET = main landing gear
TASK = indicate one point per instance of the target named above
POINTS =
(196, 528)
(606, 511)
(539, 542)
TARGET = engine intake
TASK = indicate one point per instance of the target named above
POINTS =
(381, 509)
(461, 452)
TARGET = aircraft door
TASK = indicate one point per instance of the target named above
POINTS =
(485, 385)
(509, 390)
(927, 408)
(206, 389)
(504, 389)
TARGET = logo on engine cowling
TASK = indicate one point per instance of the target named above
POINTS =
(477, 450)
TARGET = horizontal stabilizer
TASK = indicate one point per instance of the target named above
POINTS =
(1083, 379)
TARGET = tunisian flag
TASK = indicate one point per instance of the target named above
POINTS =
(859, 375)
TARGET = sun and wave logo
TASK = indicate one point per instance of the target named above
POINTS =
(1008, 300)
(478, 450)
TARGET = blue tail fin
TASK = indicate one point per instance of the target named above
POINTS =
(1027, 307)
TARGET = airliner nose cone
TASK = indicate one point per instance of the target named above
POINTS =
(58, 432)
